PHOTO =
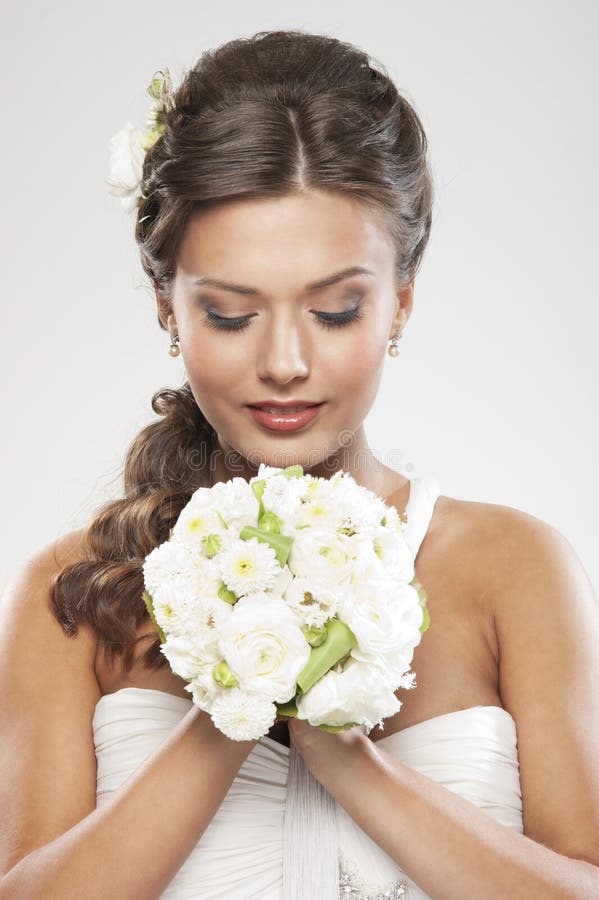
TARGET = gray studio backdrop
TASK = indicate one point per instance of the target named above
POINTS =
(496, 387)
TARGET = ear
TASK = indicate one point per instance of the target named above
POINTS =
(403, 308)
(166, 316)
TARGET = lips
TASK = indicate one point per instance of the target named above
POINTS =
(278, 418)
(286, 405)
(285, 409)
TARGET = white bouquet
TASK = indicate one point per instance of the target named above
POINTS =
(288, 595)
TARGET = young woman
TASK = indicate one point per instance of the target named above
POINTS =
(283, 213)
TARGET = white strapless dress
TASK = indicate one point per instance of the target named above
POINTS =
(472, 752)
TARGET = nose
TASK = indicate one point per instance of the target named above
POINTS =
(282, 355)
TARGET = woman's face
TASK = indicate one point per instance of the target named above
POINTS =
(272, 253)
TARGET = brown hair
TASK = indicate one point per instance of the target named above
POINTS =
(263, 116)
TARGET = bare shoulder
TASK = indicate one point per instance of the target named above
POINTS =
(48, 692)
(30, 629)
(492, 543)
(484, 558)
(545, 613)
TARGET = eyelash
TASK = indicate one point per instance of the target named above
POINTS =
(328, 320)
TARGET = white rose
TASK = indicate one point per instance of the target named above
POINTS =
(382, 553)
(126, 166)
(190, 659)
(383, 614)
(360, 694)
(264, 646)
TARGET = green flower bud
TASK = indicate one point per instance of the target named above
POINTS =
(211, 544)
(270, 523)
(223, 675)
(225, 594)
(315, 634)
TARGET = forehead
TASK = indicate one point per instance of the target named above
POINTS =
(311, 233)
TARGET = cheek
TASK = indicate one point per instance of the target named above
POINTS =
(355, 362)
(214, 371)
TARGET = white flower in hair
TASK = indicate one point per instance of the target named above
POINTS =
(126, 166)
(129, 146)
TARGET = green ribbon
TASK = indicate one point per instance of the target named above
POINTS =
(339, 641)
(280, 543)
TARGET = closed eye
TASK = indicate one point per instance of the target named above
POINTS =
(327, 320)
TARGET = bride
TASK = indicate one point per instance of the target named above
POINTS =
(283, 205)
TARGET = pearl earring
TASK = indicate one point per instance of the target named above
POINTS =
(393, 349)
(174, 349)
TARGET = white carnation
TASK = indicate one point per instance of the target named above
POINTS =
(173, 567)
(243, 716)
(359, 508)
(236, 503)
(313, 600)
(283, 496)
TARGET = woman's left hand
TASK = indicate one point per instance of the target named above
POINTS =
(330, 755)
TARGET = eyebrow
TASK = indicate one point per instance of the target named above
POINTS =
(310, 288)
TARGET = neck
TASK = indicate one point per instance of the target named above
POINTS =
(356, 458)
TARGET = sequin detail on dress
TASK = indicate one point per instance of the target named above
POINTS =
(353, 886)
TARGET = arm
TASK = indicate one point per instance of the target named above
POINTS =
(55, 843)
(547, 620)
